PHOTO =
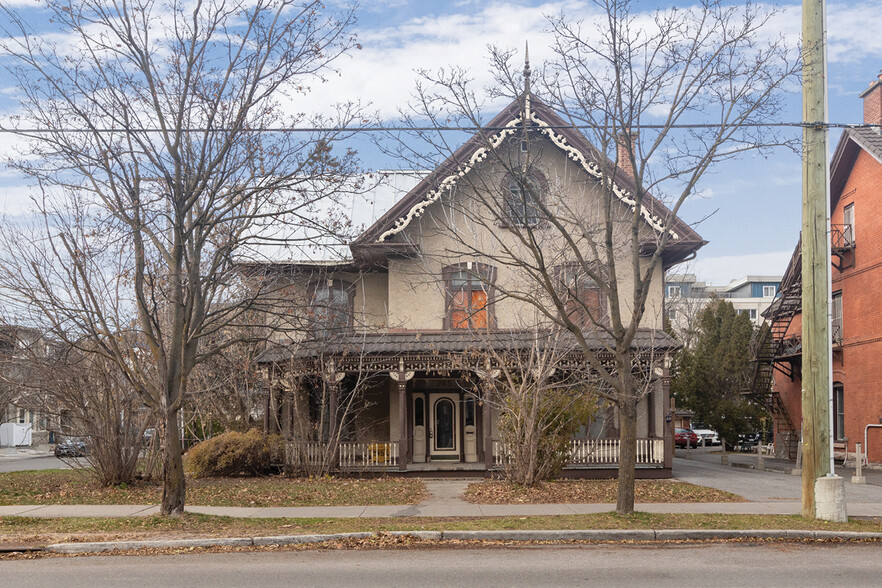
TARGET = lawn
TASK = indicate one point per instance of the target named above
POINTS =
(77, 487)
(592, 491)
(37, 531)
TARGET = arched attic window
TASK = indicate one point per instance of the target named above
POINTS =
(522, 194)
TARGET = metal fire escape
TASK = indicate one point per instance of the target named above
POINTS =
(772, 349)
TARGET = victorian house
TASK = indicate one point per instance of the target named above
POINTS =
(436, 301)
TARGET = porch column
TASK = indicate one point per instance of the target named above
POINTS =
(287, 413)
(332, 379)
(487, 379)
(487, 425)
(668, 409)
(402, 377)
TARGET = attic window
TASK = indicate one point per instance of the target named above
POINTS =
(522, 195)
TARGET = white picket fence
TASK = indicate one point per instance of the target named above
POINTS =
(593, 452)
(350, 455)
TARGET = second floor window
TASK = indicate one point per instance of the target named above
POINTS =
(331, 308)
(768, 291)
(585, 300)
(469, 296)
(848, 222)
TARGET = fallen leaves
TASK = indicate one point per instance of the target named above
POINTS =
(592, 491)
(71, 487)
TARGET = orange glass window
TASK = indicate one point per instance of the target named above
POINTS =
(468, 302)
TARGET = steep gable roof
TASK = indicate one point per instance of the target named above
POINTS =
(850, 145)
(684, 240)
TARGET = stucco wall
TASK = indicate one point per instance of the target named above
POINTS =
(459, 227)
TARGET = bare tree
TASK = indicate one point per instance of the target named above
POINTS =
(569, 208)
(228, 390)
(158, 163)
(542, 397)
(90, 398)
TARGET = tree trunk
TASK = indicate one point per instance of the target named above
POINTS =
(627, 455)
(173, 483)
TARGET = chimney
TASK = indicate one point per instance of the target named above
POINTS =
(873, 102)
(623, 160)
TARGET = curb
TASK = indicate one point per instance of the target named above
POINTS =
(611, 535)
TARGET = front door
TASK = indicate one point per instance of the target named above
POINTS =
(444, 426)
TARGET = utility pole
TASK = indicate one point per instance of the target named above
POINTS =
(819, 489)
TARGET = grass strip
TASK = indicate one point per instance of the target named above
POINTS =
(29, 531)
(77, 487)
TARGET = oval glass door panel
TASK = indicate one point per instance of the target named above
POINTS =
(444, 424)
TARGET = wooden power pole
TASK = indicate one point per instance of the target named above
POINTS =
(815, 261)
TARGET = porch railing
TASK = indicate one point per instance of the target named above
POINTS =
(594, 452)
(381, 454)
(349, 455)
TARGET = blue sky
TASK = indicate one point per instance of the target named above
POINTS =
(754, 203)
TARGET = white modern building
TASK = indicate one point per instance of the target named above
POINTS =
(686, 297)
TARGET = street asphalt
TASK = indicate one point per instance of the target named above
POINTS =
(663, 565)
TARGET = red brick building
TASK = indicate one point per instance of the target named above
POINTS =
(856, 240)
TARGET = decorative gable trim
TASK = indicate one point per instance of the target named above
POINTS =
(480, 154)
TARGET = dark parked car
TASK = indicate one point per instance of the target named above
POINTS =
(71, 447)
(749, 441)
(685, 437)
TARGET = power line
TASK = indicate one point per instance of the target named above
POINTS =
(386, 129)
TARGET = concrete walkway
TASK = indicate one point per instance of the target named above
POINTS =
(767, 492)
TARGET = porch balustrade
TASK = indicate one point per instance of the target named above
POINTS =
(350, 455)
(594, 452)
(354, 455)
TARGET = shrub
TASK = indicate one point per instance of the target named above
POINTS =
(233, 454)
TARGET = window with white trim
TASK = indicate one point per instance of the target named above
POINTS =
(769, 291)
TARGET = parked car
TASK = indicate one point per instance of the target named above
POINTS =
(749, 441)
(71, 447)
(685, 438)
(708, 436)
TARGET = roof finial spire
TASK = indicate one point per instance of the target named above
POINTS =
(526, 67)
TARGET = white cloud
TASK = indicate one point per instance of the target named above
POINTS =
(719, 271)
(384, 71)
(853, 31)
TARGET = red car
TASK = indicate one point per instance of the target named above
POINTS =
(684, 437)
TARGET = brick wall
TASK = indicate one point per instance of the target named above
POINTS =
(858, 364)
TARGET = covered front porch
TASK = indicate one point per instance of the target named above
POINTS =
(418, 403)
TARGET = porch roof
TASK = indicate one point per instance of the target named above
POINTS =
(393, 343)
